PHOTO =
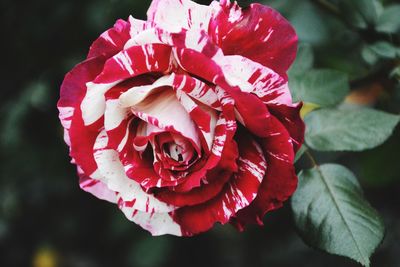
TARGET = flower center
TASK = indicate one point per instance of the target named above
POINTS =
(176, 152)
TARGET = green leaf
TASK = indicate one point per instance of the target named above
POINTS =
(360, 13)
(384, 49)
(331, 213)
(389, 21)
(369, 56)
(304, 60)
(311, 26)
(395, 73)
(348, 130)
(322, 87)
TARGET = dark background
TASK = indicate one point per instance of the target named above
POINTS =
(46, 220)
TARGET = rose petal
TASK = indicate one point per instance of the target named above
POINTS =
(150, 58)
(111, 41)
(175, 15)
(205, 118)
(236, 195)
(73, 88)
(251, 111)
(137, 26)
(116, 118)
(96, 188)
(255, 78)
(258, 32)
(80, 138)
(197, 195)
(280, 180)
(194, 177)
(156, 223)
(185, 86)
(289, 116)
(164, 111)
(197, 40)
(135, 61)
(216, 179)
(138, 165)
(111, 172)
(196, 89)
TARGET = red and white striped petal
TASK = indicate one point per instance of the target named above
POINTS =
(135, 61)
(111, 41)
(199, 194)
(111, 173)
(65, 116)
(280, 181)
(197, 40)
(114, 114)
(149, 58)
(138, 165)
(236, 195)
(258, 33)
(73, 87)
(137, 94)
(175, 15)
(195, 177)
(137, 26)
(203, 116)
(289, 116)
(251, 111)
(164, 111)
(215, 179)
(96, 188)
(196, 89)
(79, 137)
(252, 77)
(156, 223)
(94, 103)
(185, 86)
(117, 118)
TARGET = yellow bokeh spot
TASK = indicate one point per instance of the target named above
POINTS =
(45, 257)
(307, 108)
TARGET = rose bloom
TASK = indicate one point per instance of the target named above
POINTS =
(186, 119)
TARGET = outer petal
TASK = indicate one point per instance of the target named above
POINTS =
(73, 87)
(79, 137)
(289, 116)
(96, 188)
(255, 78)
(192, 39)
(236, 195)
(258, 32)
(155, 223)
(133, 62)
(175, 15)
(111, 41)
(280, 181)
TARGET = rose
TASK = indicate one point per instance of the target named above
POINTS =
(186, 119)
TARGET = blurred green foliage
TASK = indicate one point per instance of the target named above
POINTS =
(46, 219)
